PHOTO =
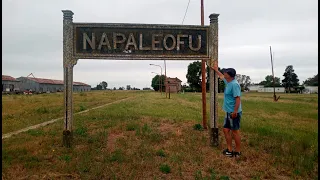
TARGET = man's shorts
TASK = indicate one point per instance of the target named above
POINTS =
(233, 124)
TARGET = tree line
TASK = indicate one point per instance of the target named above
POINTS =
(104, 86)
(290, 81)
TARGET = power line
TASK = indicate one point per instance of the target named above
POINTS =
(186, 12)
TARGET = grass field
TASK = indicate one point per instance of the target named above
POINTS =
(151, 137)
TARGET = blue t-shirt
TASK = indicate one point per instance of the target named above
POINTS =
(231, 91)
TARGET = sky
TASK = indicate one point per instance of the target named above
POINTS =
(32, 37)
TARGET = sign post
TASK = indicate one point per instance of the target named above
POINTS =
(68, 62)
(213, 53)
(133, 42)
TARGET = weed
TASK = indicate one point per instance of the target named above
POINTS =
(212, 173)
(82, 108)
(66, 158)
(165, 168)
(198, 127)
(224, 178)
(81, 131)
(32, 162)
(132, 127)
(198, 175)
(42, 110)
(35, 132)
(156, 137)
(146, 129)
(117, 155)
(83, 94)
(161, 153)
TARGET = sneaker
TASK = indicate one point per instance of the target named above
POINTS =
(227, 153)
(237, 154)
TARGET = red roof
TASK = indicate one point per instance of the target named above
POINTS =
(80, 84)
(172, 79)
(8, 78)
(52, 81)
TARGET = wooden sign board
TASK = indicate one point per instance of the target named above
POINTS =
(139, 41)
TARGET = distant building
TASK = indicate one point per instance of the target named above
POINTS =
(173, 84)
(9, 84)
(311, 89)
(48, 85)
(254, 87)
(270, 89)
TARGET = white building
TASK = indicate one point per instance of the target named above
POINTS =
(311, 89)
(270, 89)
(254, 87)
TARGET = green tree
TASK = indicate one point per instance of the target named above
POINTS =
(313, 81)
(99, 87)
(290, 80)
(194, 78)
(268, 82)
(104, 85)
(244, 81)
(155, 82)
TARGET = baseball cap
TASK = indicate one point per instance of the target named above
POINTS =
(230, 71)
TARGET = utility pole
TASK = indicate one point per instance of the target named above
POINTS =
(165, 74)
(275, 98)
(203, 75)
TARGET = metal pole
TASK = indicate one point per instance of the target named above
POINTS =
(160, 76)
(160, 81)
(213, 53)
(274, 87)
(165, 74)
(203, 77)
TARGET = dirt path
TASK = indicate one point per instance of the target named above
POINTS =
(4, 136)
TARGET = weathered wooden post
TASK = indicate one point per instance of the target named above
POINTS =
(213, 55)
(68, 63)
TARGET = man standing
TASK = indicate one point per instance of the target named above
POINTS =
(232, 107)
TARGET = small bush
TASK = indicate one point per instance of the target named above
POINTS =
(82, 131)
(198, 127)
(66, 158)
(165, 168)
(82, 108)
(34, 132)
(117, 156)
(224, 178)
(132, 127)
(161, 153)
(42, 110)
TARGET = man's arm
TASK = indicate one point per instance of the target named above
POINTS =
(215, 68)
(236, 107)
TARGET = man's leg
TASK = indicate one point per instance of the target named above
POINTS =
(237, 139)
(228, 137)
